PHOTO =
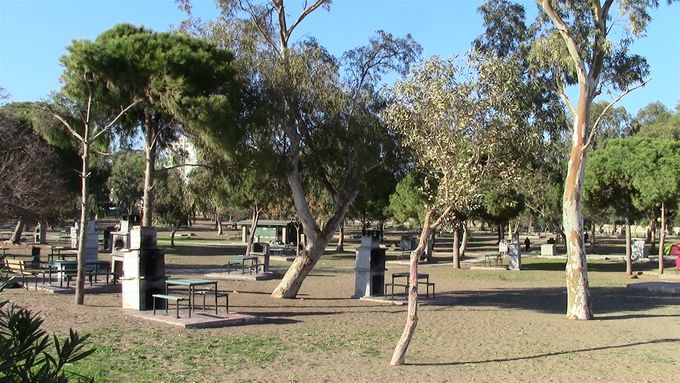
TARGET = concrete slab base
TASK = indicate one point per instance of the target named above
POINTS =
(403, 301)
(656, 287)
(96, 288)
(385, 300)
(495, 268)
(199, 318)
(237, 276)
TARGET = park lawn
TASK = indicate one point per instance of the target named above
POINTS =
(485, 325)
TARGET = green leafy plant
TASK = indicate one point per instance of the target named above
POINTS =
(24, 355)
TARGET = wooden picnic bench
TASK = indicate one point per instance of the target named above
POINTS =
(19, 267)
(168, 298)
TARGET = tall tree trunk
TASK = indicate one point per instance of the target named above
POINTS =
(253, 226)
(592, 237)
(149, 173)
(399, 353)
(578, 292)
(341, 239)
(662, 237)
(82, 234)
(500, 233)
(430, 246)
(172, 237)
(653, 242)
(629, 260)
(456, 248)
(18, 229)
(464, 242)
(220, 229)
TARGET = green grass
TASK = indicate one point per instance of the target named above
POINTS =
(160, 356)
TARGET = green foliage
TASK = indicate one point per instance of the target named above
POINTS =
(657, 172)
(615, 123)
(501, 205)
(655, 121)
(609, 179)
(465, 132)
(126, 182)
(172, 206)
(407, 204)
(25, 354)
(177, 78)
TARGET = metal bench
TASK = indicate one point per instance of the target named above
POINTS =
(167, 299)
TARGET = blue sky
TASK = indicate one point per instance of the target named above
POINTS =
(35, 33)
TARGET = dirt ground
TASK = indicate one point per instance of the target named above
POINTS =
(483, 326)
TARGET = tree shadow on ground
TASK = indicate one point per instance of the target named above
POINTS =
(548, 354)
(181, 250)
(606, 302)
(599, 266)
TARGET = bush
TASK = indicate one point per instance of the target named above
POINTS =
(24, 355)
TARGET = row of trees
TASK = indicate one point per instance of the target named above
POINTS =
(483, 136)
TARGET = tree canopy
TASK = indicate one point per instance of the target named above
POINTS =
(179, 82)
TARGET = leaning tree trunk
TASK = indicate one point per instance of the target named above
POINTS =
(456, 248)
(316, 238)
(82, 234)
(341, 239)
(172, 237)
(149, 174)
(578, 292)
(18, 229)
(662, 236)
(629, 260)
(412, 311)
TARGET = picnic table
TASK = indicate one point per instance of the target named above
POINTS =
(65, 269)
(191, 284)
(281, 249)
(62, 252)
(236, 260)
(423, 279)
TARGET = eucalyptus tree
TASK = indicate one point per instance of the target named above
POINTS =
(179, 82)
(467, 128)
(616, 122)
(657, 122)
(571, 44)
(320, 112)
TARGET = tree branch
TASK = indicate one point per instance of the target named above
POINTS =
(110, 124)
(66, 124)
(566, 36)
(593, 130)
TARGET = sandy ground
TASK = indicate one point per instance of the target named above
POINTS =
(484, 326)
